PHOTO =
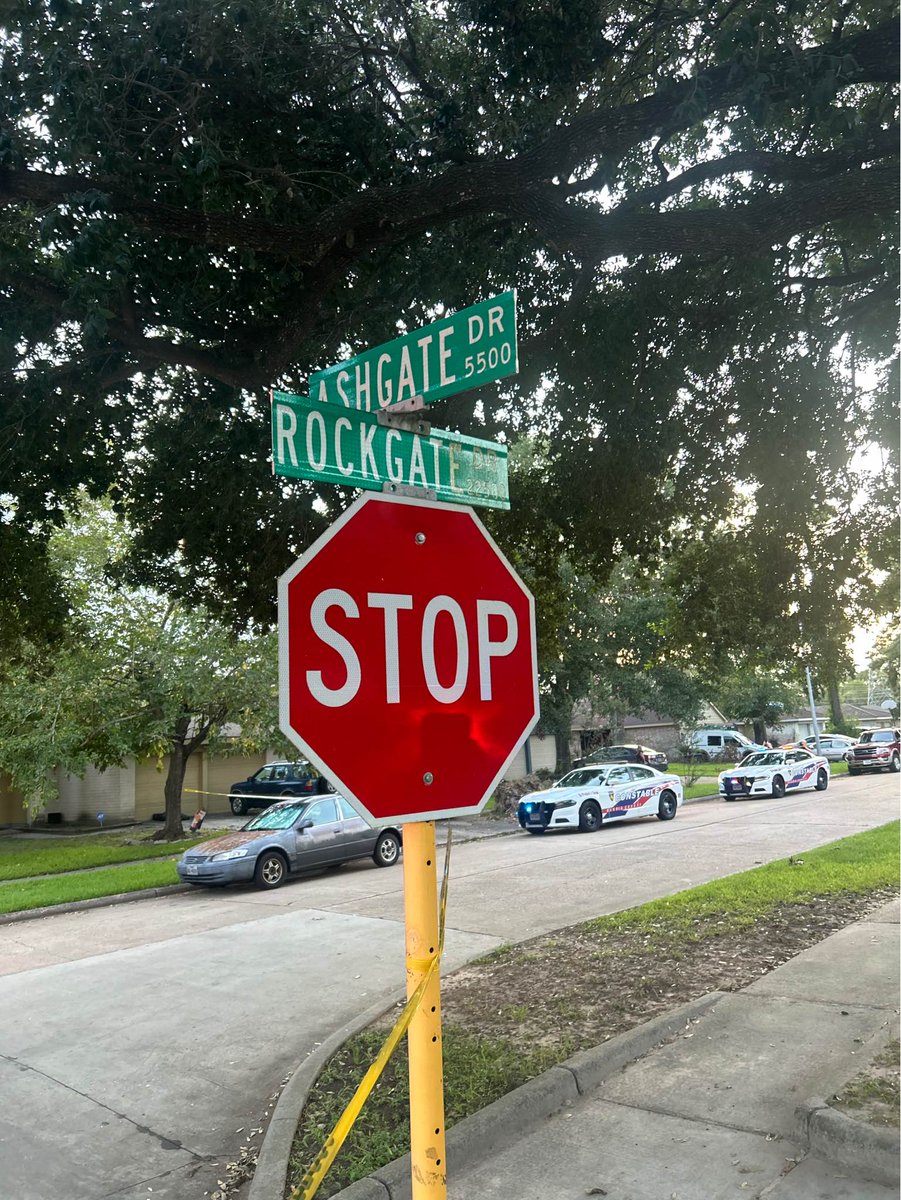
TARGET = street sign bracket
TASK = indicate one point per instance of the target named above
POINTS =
(409, 422)
(414, 404)
(411, 493)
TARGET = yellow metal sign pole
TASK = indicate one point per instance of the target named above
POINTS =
(428, 1162)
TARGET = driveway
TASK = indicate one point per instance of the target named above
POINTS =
(141, 1044)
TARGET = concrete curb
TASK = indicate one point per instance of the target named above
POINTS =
(868, 1150)
(271, 1172)
(32, 914)
(486, 1131)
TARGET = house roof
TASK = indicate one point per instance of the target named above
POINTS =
(856, 712)
(584, 718)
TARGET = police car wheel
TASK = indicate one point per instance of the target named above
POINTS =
(778, 787)
(589, 817)
(666, 809)
(822, 780)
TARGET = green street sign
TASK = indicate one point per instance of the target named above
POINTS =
(320, 441)
(474, 346)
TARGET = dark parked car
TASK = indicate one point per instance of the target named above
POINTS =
(625, 754)
(877, 750)
(277, 781)
(294, 835)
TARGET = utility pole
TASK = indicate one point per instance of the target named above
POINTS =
(813, 709)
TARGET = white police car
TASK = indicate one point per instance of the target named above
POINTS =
(590, 796)
(775, 772)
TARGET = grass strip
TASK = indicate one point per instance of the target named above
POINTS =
(874, 1094)
(862, 863)
(521, 1009)
(477, 1071)
(62, 889)
(23, 857)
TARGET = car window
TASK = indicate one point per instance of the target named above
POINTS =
(714, 739)
(618, 775)
(322, 813)
(279, 772)
(797, 756)
(732, 741)
(641, 773)
(278, 817)
(881, 735)
(298, 771)
(346, 811)
(764, 758)
(263, 774)
(582, 777)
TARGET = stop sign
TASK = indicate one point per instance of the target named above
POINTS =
(407, 658)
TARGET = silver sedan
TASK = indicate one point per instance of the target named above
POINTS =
(295, 835)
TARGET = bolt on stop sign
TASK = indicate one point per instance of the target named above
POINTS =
(407, 659)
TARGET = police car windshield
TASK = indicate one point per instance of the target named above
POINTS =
(583, 777)
(771, 758)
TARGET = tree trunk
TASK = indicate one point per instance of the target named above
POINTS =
(835, 704)
(759, 732)
(178, 761)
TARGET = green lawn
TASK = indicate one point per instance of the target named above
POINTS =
(47, 855)
(862, 863)
(60, 889)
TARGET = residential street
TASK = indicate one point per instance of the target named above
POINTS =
(141, 1042)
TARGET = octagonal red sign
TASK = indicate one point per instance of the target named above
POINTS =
(407, 658)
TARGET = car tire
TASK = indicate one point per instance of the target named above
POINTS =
(238, 807)
(666, 809)
(895, 765)
(590, 817)
(387, 850)
(778, 787)
(822, 780)
(701, 756)
(271, 870)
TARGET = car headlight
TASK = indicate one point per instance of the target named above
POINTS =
(238, 852)
(564, 804)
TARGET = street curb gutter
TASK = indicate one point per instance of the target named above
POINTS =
(271, 1171)
(51, 910)
(856, 1146)
(490, 1128)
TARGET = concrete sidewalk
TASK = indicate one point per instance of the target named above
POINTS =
(723, 1109)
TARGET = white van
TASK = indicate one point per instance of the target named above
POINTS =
(722, 744)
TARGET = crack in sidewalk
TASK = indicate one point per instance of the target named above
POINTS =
(164, 1142)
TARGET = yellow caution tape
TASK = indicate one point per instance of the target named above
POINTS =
(309, 1185)
(254, 795)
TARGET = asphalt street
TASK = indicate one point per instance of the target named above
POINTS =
(141, 1043)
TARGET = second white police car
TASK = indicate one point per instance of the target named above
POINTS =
(591, 796)
(775, 772)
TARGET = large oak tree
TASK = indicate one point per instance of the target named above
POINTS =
(695, 199)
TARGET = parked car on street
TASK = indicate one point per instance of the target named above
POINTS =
(775, 772)
(291, 835)
(729, 745)
(590, 796)
(834, 746)
(876, 750)
(625, 754)
(276, 781)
